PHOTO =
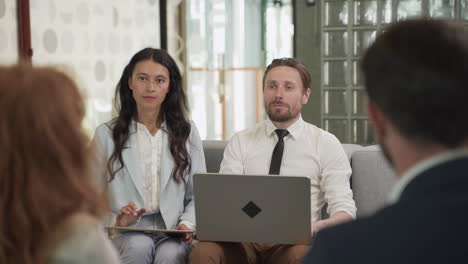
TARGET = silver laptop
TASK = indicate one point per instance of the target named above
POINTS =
(252, 208)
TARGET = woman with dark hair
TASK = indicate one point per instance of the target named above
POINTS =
(51, 210)
(151, 151)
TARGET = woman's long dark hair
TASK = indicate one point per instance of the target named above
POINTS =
(173, 110)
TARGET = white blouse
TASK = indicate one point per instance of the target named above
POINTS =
(150, 155)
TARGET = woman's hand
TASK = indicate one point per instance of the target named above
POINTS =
(187, 237)
(129, 215)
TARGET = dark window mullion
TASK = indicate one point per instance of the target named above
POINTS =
(24, 31)
(457, 10)
(426, 8)
(348, 100)
(395, 10)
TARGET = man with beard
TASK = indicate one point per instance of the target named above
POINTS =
(306, 151)
(416, 78)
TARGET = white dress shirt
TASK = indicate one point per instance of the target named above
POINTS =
(308, 151)
(150, 155)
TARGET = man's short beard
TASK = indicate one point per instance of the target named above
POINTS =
(279, 118)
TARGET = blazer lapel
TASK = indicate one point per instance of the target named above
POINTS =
(131, 156)
(167, 162)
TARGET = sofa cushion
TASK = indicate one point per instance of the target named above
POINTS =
(371, 181)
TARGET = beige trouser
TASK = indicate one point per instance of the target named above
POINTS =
(249, 253)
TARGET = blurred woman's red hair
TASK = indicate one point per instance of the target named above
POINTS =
(44, 164)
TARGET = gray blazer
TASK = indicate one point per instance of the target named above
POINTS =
(176, 200)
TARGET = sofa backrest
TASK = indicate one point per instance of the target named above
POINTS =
(351, 148)
(214, 150)
(371, 181)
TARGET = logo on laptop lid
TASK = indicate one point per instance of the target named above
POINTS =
(251, 209)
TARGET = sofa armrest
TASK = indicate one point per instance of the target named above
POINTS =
(371, 181)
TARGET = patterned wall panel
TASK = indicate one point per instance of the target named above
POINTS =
(93, 41)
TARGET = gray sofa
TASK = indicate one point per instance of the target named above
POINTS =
(371, 181)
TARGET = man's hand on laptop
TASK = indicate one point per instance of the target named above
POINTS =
(129, 215)
(187, 237)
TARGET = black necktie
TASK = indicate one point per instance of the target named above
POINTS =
(275, 164)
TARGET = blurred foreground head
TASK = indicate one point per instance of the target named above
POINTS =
(416, 75)
(44, 161)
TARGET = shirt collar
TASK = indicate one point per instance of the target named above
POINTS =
(419, 168)
(140, 127)
(294, 130)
